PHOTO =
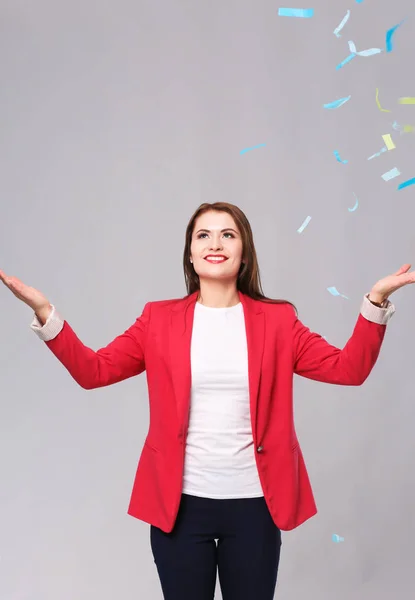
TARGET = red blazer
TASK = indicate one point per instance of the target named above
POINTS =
(279, 345)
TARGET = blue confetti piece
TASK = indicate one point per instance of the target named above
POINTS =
(333, 291)
(345, 61)
(336, 103)
(389, 35)
(251, 148)
(356, 204)
(337, 538)
(342, 24)
(304, 225)
(354, 52)
(407, 183)
(384, 149)
(304, 13)
(337, 155)
(391, 174)
(359, 1)
(368, 52)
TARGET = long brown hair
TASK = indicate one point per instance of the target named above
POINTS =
(249, 281)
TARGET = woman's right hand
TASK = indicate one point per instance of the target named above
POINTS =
(29, 295)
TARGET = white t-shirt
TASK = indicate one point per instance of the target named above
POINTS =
(219, 456)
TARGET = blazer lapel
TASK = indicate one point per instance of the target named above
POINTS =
(180, 335)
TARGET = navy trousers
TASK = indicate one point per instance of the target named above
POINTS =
(246, 555)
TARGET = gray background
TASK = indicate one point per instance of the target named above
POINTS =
(117, 119)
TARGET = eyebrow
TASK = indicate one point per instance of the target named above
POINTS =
(222, 230)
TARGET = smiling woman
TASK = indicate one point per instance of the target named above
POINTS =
(221, 460)
(220, 234)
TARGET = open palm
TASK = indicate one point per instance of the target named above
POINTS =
(386, 286)
(27, 294)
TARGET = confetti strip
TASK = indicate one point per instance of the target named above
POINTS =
(336, 103)
(407, 183)
(333, 291)
(304, 225)
(305, 13)
(378, 103)
(251, 148)
(354, 52)
(342, 24)
(388, 141)
(337, 538)
(337, 155)
(389, 35)
(345, 61)
(406, 100)
(378, 153)
(391, 174)
(369, 52)
(356, 204)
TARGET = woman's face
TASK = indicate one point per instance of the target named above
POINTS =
(215, 234)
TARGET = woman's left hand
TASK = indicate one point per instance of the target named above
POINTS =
(386, 286)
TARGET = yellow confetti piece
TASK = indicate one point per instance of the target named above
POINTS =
(406, 100)
(378, 103)
(388, 141)
(408, 128)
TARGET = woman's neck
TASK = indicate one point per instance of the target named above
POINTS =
(218, 297)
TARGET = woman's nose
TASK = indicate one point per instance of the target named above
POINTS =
(216, 244)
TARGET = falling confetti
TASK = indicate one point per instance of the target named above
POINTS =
(391, 174)
(389, 36)
(251, 148)
(333, 291)
(345, 61)
(337, 103)
(378, 103)
(365, 53)
(406, 184)
(305, 13)
(337, 538)
(378, 153)
(304, 225)
(356, 204)
(354, 52)
(337, 155)
(342, 24)
(388, 141)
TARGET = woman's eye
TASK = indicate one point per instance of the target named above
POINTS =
(201, 235)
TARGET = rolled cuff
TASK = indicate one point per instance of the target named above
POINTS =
(51, 328)
(376, 314)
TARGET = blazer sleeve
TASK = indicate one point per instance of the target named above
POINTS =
(316, 359)
(122, 358)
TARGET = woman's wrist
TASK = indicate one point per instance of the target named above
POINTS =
(43, 313)
(376, 299)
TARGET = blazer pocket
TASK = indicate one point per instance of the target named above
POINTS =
(294, 446)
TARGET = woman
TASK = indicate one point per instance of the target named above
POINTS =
(221, 460)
